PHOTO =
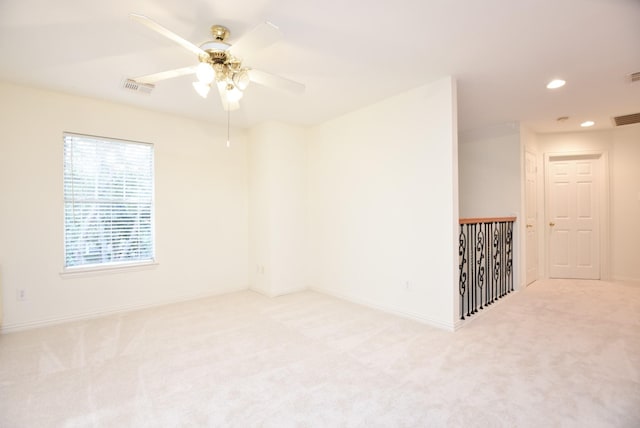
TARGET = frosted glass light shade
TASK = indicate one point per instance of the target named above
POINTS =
(241, 79)
(233, 94)
(202, 88)
(205, 73)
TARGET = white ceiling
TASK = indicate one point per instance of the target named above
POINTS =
(349, 53)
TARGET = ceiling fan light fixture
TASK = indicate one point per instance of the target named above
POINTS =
(220, 65)
(205, 73)
(241, 79)
(233, 94)
(202, 88)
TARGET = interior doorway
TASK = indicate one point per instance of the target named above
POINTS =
(531, 217)
(576, 207)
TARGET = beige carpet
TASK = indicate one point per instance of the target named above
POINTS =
(559, 354)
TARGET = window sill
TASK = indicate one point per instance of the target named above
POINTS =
(108, 269)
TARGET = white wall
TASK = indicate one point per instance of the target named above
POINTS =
(278, 191)
(383, 208)
(625, 200)
(201, 208)
(623, 147)
(489, 171)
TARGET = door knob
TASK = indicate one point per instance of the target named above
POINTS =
(529, 225)
(551, 224)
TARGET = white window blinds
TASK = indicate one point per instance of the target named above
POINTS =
(108, 201)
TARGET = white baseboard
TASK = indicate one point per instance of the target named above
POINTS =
(389, 309)
(625, 279)
(14, 327)
(280, 293)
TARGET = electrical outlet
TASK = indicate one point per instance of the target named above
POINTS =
(21, 295)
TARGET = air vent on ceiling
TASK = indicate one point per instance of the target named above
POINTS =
(627, 119)
(132, 85)
(635, 77)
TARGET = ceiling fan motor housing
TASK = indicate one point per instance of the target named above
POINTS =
(218, 57)
(219, 32)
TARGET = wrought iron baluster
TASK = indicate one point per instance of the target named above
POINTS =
(469, 273)
(504, 261)
(500, 261)
(479, 261)
(497, 266)
(485, 250)
(474, 287)
(462, 253)
(489, 227)
(510, 254)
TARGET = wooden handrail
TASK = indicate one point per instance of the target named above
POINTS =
(486, 220)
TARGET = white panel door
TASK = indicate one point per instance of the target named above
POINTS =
(574, 240)
(531, 217)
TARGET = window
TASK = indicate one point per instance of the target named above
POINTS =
(108, 202)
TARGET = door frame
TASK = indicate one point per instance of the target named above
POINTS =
(525, 217)
(602, 159)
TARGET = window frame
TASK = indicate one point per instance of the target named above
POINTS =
(117, 266)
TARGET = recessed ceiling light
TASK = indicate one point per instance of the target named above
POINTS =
(555, 84)
(587, 124)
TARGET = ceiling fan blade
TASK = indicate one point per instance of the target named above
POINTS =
(163, 75)
(259, 38)
(226, 104)
(273, 81)
(167, 33)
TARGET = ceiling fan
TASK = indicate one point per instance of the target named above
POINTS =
(220, 63)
